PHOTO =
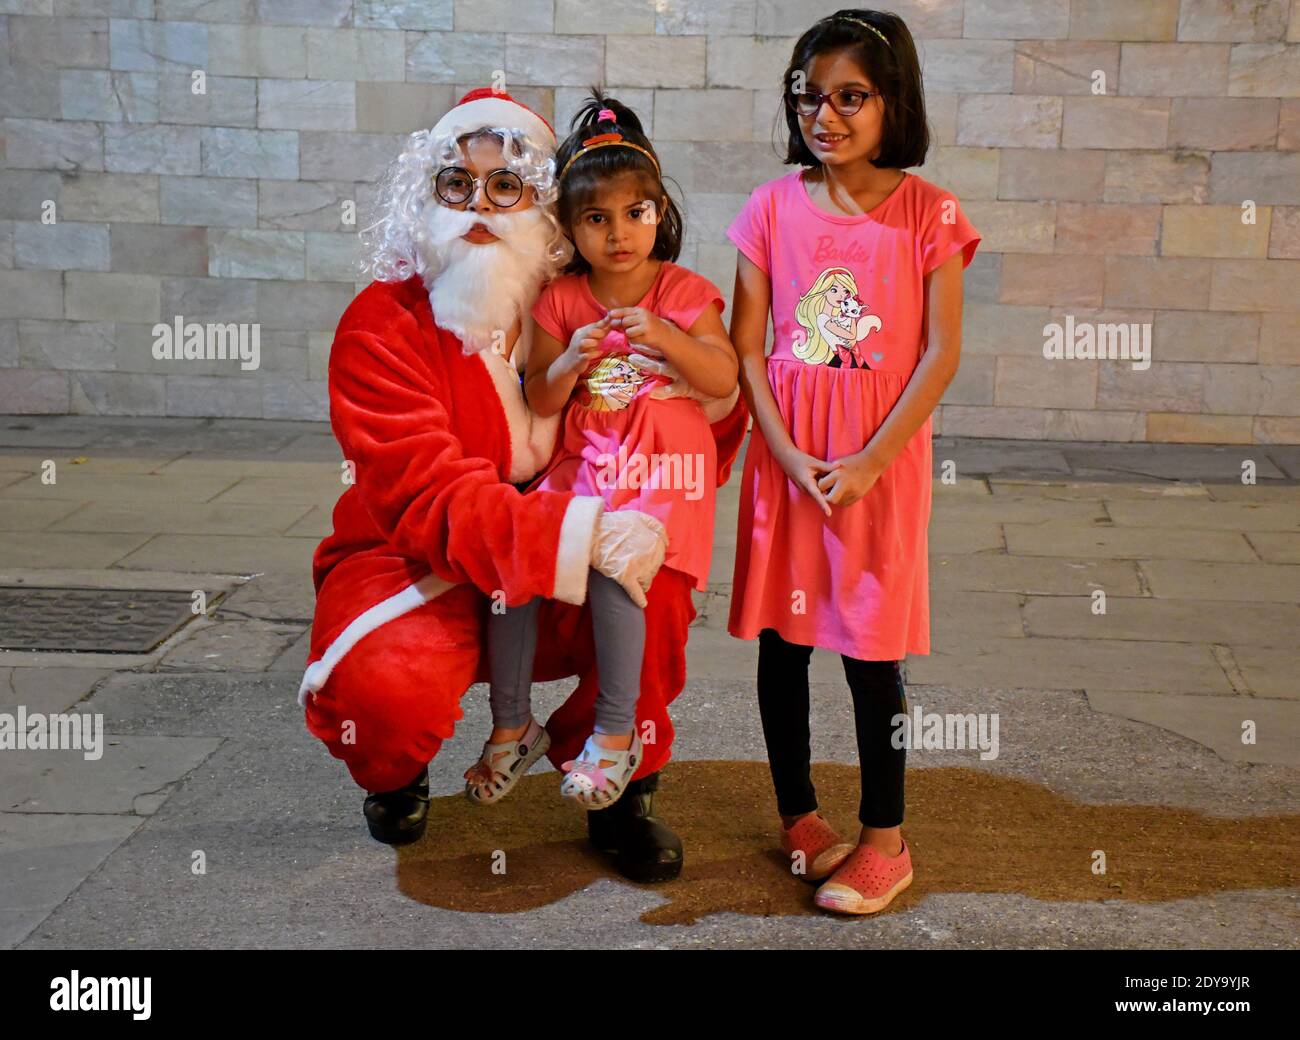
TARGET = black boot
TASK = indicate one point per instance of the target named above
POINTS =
(645, 848)
(398, 817)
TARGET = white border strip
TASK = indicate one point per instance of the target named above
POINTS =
(430, 587)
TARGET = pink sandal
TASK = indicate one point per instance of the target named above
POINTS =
(867, 882)
(823, 850)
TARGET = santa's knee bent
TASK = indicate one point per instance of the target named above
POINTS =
(394, 697)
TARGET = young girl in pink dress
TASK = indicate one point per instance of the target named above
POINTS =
(860, 264)
(622, 301)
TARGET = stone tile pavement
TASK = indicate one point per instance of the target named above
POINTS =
(1125, 608)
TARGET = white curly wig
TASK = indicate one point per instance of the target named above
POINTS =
(390, 252)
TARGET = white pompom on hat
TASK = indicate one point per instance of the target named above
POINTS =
(484, 108)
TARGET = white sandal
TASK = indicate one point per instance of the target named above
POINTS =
(593, 786)
(508, 762)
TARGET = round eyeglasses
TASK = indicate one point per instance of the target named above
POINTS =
(845, 102)
(455, 185)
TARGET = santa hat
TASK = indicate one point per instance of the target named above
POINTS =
(486, 107)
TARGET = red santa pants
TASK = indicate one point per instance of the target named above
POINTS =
(395, 697)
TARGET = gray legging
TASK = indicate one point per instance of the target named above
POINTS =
(618, 626)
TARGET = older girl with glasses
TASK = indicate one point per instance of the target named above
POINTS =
(860, 265)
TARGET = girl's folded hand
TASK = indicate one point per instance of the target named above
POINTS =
(641, 326)
(803, 469)
(584, 345)
(849, 479)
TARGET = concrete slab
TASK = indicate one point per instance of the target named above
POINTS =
(1029, 509)
(237, 644)
(34, 514)
(44, 857)
(1268, 492)
(232, 554)
(1216, 722)
(323, 491)
(1126, 543)
(61, 549)
(961, 487)
(139, 488)
(316, 523)
(286, 596)
(1206, 515)
(958, 536)
(85, 463)
(133, 776)
(1074, 664)
(1165, 620)
(216, 438)
(1269, 671)
(1035, 575)
(1231, 582)
(1274, 546)
(317, 445)
(198, 518)
(970, 617)
(1094, 489)
(294, 657)
(49, 690)
(236, 468)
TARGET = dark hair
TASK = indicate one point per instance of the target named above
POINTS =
(580, 182)
(894, 70)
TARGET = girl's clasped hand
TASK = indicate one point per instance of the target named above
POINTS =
(840, 482)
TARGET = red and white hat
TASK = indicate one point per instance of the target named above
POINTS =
(486, 107)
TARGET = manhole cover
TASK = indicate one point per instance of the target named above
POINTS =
(122, 621)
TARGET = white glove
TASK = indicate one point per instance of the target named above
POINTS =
(715, 408)
(658, 366)
(629, 547)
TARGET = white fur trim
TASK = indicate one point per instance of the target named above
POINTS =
(491, 112)
(430, 587)
(577, 532)
(532, 439)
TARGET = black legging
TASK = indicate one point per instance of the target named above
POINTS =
(878, 695)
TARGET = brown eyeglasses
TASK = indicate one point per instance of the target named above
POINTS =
(846, 102)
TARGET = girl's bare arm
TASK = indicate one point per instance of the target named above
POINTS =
(937, 367)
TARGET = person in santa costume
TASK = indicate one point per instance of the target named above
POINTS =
(427, 406)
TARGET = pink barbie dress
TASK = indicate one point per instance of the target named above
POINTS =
(657, 456)
(847, 311)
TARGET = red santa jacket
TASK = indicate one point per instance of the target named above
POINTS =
(435, 438)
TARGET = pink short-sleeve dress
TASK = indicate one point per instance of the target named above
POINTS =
(616, 441)
(849, 328)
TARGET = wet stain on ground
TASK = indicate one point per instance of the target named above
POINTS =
(969, 831)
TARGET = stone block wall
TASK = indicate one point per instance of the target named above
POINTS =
(1130, 162)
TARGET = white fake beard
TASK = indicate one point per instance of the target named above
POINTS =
(477, 290)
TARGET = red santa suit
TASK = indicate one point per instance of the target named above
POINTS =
(431, 527)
